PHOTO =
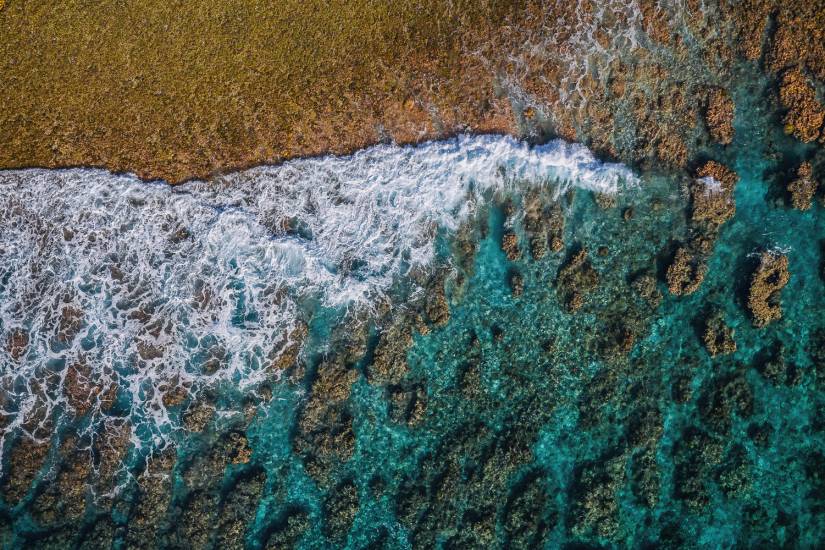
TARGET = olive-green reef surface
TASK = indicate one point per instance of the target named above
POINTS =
(177, 90)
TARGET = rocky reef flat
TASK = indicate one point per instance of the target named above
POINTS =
(183, 91)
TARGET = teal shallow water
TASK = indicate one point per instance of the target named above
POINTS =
(532, 436)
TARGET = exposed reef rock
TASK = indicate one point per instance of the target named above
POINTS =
(805, 114)
(686, 273)
(511, 424)
(83, 394)
(803, 188)
(769, 278)
(17, 341)
(712, 194)
(509, 244)
(712, 204)
(719, 115)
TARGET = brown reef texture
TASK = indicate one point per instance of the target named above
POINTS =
(177, 91)
(805, 114)
(718, 336)
(182, 90)
(686, 273)
(803, 188)
(576, 279)
(768, 280)
(713, 205)
(719, 115)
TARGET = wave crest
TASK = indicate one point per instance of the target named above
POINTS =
(143, 288)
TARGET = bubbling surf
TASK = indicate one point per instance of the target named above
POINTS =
(118, 291)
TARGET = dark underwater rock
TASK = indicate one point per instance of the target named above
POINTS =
(718, 336)
(340, 507)
(324, 436)
(287, 528)
(575, 280)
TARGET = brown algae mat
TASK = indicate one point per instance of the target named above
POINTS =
(182, 89)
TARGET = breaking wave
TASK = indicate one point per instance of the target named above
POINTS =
(113, 289)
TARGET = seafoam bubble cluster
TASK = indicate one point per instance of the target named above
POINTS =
(116, 292)
(584, 41)
(559, 63)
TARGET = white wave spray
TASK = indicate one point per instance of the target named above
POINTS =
(142, 287)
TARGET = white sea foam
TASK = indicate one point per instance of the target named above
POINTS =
(205, 282)
(710, 185)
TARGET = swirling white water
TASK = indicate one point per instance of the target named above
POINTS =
(143, 287)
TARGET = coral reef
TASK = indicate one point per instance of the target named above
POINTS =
(776, 368)
(287, 529)
(768, 279)
(238, 510)
(719, 115)
(695, 454)
(324, 435)
(516, 283)
(712, 194)
(718, 336)
(340, 507)
(803, 188)
(595, 505)
(712, 204)
(476, 413)
(805, 114)
(645, 286)
(575, 280)
(509, 244)
(150, 503)
(686, 273)
(26, 458)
